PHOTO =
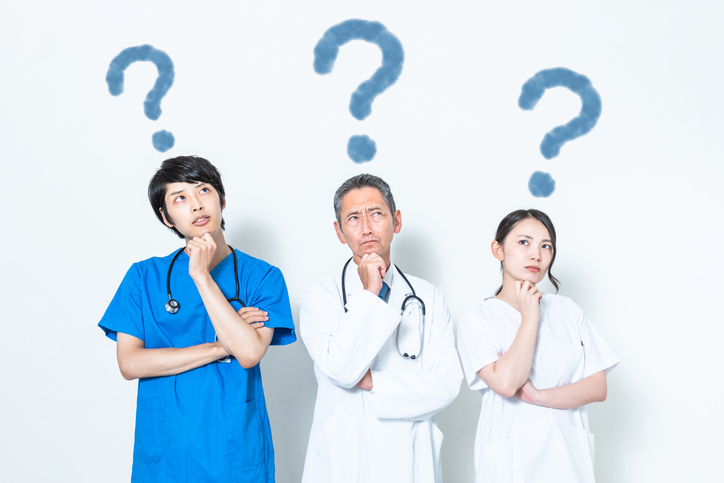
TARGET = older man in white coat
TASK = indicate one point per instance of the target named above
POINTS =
(383, 371)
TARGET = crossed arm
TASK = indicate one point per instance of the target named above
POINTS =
(241, 334)
(508, 376)
(135, 361)
(343, 345)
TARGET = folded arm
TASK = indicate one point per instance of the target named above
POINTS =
(341, 344)
(512, 369)
(237, 331)
(590, 389)
(417, 393)
(135, 361)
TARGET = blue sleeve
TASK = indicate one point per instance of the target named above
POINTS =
(124, 314)
(271, 296)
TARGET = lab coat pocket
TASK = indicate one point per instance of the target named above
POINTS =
(583, 452)
(150, 417)
(245, 435)
(500, 462)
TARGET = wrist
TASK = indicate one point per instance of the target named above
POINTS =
(200, 277)
(529, 319)
(539, 397)
(218, 350)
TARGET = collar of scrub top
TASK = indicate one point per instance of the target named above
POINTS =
(412, 296)
(173, 306)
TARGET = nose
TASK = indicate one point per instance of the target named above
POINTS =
(366, 226)
(535, 254)
(196, 204)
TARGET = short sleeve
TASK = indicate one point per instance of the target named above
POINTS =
(271, 296)
(598, 355)
(124, 314)
(477, 345)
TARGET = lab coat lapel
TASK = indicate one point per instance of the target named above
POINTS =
(353, 284)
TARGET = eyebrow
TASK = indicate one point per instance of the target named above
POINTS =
(367, 210)
(530, 238)
(200, 183)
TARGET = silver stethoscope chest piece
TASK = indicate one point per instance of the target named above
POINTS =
(173, 305)
(407, 299)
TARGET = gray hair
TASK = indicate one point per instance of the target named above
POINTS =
(363, 181)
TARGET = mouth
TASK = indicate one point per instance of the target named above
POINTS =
(533, 268)
(201, 221)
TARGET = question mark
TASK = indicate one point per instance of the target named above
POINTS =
(162, 140)
(542, 184)
(361, 148)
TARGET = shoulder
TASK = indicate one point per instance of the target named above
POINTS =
(478, 321)
(320, 288)
(417, 281)
(142, 267)
(477, 314)
(254, 266)
(420, 285)
(247, 260)
(562, 303)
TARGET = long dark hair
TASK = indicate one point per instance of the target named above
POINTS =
(513, 219)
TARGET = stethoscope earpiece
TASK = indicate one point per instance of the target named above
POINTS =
(172, 306)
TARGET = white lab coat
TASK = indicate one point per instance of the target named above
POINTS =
(518, 442)
(389, 433)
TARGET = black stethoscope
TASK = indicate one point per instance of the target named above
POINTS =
(413, 296)
(173, 305)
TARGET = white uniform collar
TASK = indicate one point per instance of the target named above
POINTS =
(354, 284)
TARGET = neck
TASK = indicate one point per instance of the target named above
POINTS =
(507, 293)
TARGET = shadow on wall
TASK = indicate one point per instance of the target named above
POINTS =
(257, 238)
(414, 254)
(290, 387)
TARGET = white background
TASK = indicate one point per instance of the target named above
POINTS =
(638, 201)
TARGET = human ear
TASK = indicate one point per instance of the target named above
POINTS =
(166, 219)
(340, 235)
(398, 221)
(497, 250)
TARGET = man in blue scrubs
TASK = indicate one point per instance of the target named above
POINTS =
(201, 414)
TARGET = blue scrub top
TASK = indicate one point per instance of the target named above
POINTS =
(208, 424)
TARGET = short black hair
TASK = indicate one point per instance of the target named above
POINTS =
(363, 181)
(182, 169)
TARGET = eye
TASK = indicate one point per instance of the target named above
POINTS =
(523, 242)
(352, 221)
(204, 190)
(179, 198)
(547, 246)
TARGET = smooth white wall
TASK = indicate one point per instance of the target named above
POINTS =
(638, 203)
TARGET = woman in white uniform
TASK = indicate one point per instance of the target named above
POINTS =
(537, 361)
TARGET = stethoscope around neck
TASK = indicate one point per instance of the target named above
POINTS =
(413, 296)
(173, 305)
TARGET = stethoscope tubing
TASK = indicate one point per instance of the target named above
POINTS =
(412, 296)
(173, 305)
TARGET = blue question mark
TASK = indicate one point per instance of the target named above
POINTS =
(541, 185)
(361, 148)
(162, 140)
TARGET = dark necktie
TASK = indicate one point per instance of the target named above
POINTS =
(383, 292)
